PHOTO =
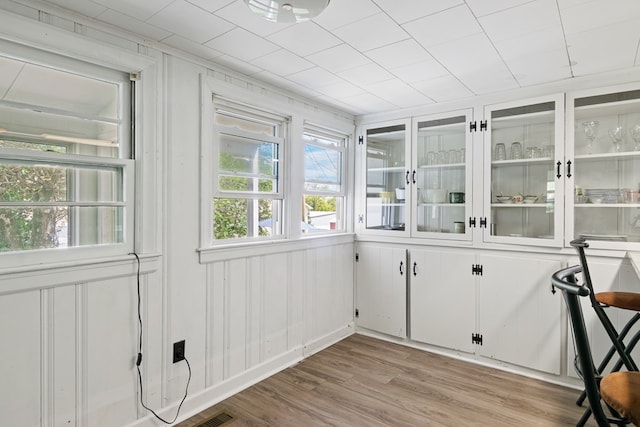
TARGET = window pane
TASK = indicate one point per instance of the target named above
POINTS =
(248, 165)
(28, 228)
(323, 140)
(323, 168)
(241, 218)
(42, 183)
(323, 214)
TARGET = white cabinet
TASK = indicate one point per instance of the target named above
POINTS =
(519, 318)
(523, 180)
(381, 289)
(603, 185)
(443, 298)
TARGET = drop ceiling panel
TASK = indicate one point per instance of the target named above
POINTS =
(338, 58)
(238, 14)
(190, 21)
(141, 10)
(443, 89)
(366, 74)
(211, 5)
(186, 45)
(409, 10)
(597, 14)
(531, 17)
(314, 77)
(446, 26)
(305, 38)
(242, 44)
(399, 93)
(282, 62)
(342, 13)
(399, 54)
(419, 72)
(133, 25)
(372, 32)
(484, 7)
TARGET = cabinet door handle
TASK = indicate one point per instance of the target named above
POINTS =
(558, 170)
(407, 177)
(415, 264)
(413, 177)
(401, 268)
(568, 168)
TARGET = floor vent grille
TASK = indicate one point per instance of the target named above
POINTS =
(220, 419)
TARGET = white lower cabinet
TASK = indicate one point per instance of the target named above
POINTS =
(492, 304)
(381, 289)
(519, 319)
(443, 298)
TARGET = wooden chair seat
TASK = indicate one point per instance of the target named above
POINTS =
(621, 390)
(624, 300)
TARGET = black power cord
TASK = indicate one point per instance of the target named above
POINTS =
(139, 359)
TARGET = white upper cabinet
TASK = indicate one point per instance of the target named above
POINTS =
(441, 176)
(603, 191)
(523, 172)
(385, 178)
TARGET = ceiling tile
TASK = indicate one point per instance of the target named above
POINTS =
(210, 5)
(141, 10)
(484, 7)
(340, 89)
(365, 103)
(239, 14)
(493, 78)
(341, 13)
(449, 25)
(366, 74)
(537, 41)
(443, 89)
(398, 93)
(540, 67)
(202, 26)
(242, 44)
(338, 58)
(282, 62)
(305, 38)
(421, 71)
(598, 14)
(285, 83)
(372, 32)
(399, 54)
(531, 17)
(593, 52)
(134, 25)
(314, 77)
(409, 10)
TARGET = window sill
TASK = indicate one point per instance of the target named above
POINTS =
(250, 249)
(41, 276)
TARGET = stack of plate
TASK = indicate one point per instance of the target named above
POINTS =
(602, 195)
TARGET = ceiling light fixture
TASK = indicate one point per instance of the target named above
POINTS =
(287, 11)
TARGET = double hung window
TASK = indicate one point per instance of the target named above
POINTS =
(324, 189)
(66, 174)
(247, 180)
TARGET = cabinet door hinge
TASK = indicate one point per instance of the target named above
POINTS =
(472, 222)
(483, 222)
(357, 257)
(360, 218)
(473, 126)
(357, 313)
(476, 339)
(483, 125)
(360, 140)
(476, 269)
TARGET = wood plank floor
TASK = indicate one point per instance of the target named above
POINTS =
(362, 381)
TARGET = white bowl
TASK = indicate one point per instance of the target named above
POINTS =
(437, 195)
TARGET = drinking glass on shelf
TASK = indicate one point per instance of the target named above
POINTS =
(590, 129)
(500, 152)
(516, 151)
(616, 135)
(635, 134)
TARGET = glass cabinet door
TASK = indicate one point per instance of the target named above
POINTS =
(441, 181)
(603, 193)
(523, 157)
(387, 178)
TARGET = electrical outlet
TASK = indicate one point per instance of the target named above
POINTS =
(178, 351)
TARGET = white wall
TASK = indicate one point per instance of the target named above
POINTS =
(69, 331)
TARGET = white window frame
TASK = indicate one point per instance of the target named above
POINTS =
(281, 123)
(321, 131)
(22, 258)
